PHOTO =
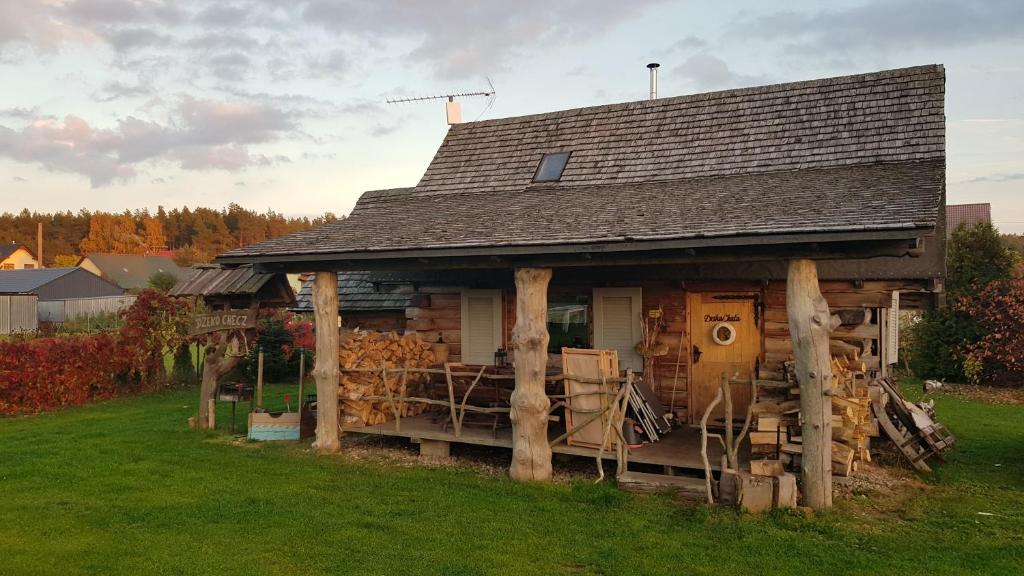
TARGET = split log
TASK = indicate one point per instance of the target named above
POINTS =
(380, 371)
(531, 454)
(809, 323)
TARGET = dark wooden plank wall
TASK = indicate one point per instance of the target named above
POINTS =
(442, 317)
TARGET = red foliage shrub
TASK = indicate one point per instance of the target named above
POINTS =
(998, 311)
(46, 373)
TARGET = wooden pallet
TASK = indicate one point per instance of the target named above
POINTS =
(909, 443)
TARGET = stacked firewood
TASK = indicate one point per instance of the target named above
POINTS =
(776, 429)
(364, 394)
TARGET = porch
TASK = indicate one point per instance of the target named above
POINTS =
(677, 450)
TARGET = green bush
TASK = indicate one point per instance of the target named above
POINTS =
(937, 344)
(975, 257)
(162, 281)
(280, 336)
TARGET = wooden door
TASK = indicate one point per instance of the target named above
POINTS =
(725, 337)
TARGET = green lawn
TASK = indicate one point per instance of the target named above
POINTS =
(123, 487)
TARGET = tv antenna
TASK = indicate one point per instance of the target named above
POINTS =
(454, 111)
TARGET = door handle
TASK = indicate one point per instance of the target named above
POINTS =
(696, 353)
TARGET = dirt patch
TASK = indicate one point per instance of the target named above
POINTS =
(987, 394)
(881, 488)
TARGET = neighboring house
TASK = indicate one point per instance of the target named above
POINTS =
(366, 300)
(967, 214)
(65, 293)
(690, 207)
(131, 271)
(17, 257)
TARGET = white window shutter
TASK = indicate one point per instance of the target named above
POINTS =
(893, 337)
(481, 325)
(617, 323)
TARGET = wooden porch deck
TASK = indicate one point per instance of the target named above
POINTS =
(678, 449)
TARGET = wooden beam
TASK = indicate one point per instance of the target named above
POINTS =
(809, 326)
(325, 371)
(531, 454)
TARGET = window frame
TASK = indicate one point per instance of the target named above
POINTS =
(563, 299)
(545, 156)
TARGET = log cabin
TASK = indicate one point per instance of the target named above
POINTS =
(710, 210)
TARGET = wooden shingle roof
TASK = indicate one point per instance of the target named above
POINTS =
(853, 153)
(357, 292)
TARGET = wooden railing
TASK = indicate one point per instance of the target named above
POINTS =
(613, 426)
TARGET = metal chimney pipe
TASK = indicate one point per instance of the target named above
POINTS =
(653, 67)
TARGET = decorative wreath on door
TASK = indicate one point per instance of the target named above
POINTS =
(723, 333)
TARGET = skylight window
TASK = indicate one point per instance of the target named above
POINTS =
(551, 167)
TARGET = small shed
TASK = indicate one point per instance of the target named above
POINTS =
(64, 293)
(237, 287)
(18, 313)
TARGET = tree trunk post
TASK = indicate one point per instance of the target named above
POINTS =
(207, 389)
(531, 454)
(809, 327)
(325, 367)
(220, 358)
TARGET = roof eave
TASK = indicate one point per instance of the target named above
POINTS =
(307, 261)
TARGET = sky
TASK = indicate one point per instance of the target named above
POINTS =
(130, 104)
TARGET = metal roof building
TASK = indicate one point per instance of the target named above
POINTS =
(57, 283)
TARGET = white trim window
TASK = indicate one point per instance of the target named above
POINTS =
(617, 323)
(481, 325)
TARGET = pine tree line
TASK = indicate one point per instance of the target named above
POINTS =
(191, 234)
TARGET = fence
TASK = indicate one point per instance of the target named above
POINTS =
(75, 308)
(18, 313)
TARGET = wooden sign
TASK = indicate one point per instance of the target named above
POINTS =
(222, 320)
(654, 313)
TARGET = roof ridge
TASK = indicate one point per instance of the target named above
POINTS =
(714, 94)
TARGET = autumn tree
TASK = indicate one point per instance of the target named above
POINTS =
(997, 355)
(154, 234)
(975, 257)
(65, 261)
(113, 234)
(187, 256)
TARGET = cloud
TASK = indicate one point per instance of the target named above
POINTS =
(690, 42)
(19, 113)
(709, 72)
(35, 23)
(465, 39)
(332, 63)
(200, 135)
(882, 26)
(1010, 177)
(118, 90)
(232, 66)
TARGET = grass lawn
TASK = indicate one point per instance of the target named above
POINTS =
(123, 487)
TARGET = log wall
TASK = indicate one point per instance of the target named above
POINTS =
(440, 315)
